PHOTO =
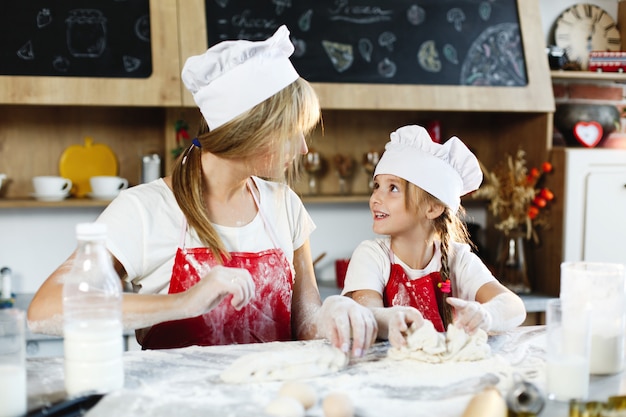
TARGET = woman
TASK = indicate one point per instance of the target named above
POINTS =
(216, 253)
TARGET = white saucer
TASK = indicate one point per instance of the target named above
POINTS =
(50, 197)
(102, 196)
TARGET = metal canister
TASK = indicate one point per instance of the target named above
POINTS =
(150, 167)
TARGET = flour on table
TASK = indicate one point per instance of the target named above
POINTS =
(285, 365)
(425, 344)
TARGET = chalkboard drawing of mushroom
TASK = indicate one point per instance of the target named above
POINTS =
(86, 33)
(340, 54)
(386, 40)
(457, 17)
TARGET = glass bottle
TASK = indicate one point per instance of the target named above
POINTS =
(92, 313)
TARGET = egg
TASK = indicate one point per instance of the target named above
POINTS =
(285, 407)
(338, 404)
(301, 391)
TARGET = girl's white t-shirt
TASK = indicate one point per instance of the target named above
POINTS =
(370, 266)
(145, 227)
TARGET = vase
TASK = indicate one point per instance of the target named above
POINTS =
(511, 263)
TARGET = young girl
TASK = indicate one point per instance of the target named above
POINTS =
(425, 267)
(215, 254)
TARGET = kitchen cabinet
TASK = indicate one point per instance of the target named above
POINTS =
(42, 116)
(595, 203)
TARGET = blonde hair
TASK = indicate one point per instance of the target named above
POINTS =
(269, 127)
(448, 227)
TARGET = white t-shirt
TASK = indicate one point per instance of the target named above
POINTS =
(370, 266)
(145, 227)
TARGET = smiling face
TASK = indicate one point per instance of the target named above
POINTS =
(388, 205)
(402, 209)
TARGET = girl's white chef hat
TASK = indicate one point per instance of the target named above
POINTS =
(231, 77)
(447, 171)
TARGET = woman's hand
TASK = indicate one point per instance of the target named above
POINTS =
(470, 315)
(341, 319)
(399, 319)
(216, 285)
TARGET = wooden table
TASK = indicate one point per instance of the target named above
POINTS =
(186, 381)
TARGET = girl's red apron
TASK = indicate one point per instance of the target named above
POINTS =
(421, 293)
(266, 318)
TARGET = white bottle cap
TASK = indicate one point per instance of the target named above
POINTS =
(91, 231)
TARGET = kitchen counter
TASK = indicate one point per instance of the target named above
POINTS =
(186, 381)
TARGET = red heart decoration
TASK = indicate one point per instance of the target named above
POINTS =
(588, 134)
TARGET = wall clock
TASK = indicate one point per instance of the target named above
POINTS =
(583, 28)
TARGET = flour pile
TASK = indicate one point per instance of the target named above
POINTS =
(425, 344)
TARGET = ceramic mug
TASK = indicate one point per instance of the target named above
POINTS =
(50, 185)
(107, 185)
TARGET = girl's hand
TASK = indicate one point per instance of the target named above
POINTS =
(216, 285)
(340, 319)
(399, 321)
(470, 315)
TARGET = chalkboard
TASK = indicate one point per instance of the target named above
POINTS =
(81, 38)
(445, 42)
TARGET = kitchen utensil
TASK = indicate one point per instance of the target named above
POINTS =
(567, 354)
(525, 397)
(602, 286)
(81, 162)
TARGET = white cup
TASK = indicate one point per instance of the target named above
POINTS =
(50, 185)
(107, 185)
(602, 286)
(13, 395)
(568, 348)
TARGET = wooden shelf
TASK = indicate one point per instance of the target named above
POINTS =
(331, 199)
(25, 202)
(588, 75)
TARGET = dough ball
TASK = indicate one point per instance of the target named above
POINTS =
(301, 391)
(285, 407)
(338, 404)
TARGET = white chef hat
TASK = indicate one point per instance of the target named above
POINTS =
(234, 76)
(446, 171)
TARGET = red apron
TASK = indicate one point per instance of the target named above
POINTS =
(266, 318)
(421, 293)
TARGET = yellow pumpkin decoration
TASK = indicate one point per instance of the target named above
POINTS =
(79, 163)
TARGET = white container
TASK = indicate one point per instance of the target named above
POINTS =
(92, 312)
(13, 394)
(602, 286)
(568, 347)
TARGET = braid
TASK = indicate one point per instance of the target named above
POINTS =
(441, 227)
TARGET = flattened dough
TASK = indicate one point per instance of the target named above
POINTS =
(285, 365)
